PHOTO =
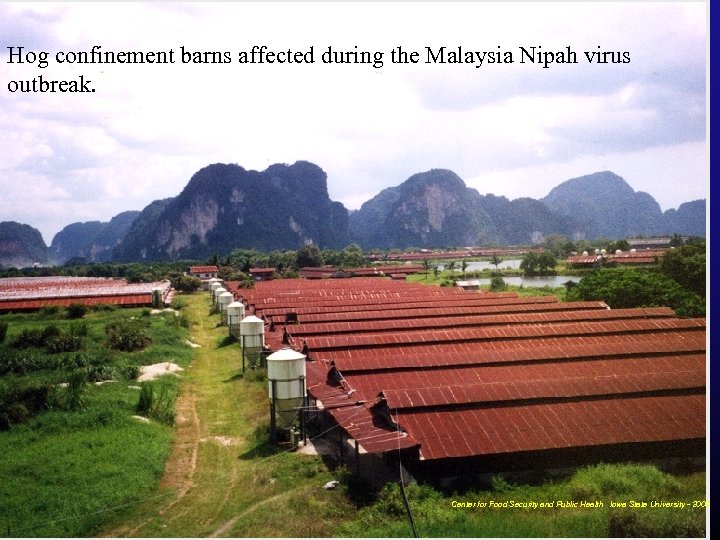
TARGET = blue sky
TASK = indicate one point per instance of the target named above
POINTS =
(509, 129)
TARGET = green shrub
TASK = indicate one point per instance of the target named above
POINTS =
(63, 343)
(21, 362)
(159, 406)
(126, 335)
(184, 321)
(21, 399)
(50, 331)
(145, 400)
(28, 337)
(187, 284)
(75, 390)
(3, 330)
(131, 372)
(179, 303)
(46, 311)
(76, 311)
(656, 523)
(497, 284)
(79, 328)
(102, 373)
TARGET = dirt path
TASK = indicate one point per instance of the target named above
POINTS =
(181, 465)
(228, 525)
(215, 482)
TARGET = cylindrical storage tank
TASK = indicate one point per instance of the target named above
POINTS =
(217, 292)
(252, 338)
(157, 297)
(286, 375)
(235, 314)
(213, 286)
(224, 300)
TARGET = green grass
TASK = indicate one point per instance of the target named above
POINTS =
(223, 476)
(438, 515)
(97, 471)
(63, 472)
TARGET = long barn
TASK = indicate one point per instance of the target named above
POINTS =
(458, 381)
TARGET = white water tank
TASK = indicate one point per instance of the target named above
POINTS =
(235, 314)
(217, 292)
(224, 300)
(618, 251)
(214, 285)
(252, 338)
(286, 375)
(157, 298)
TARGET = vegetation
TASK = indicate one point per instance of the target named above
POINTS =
(687, 266)
(224, 478)
(76, 311)
(439, 515)
(538, 263)
(186, 284)
(497, 283)
(633, 287)
(73, 456)
(126, 335)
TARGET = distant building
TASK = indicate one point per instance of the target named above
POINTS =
(469, 284)
(204, 272)
(649, 243)
(262, 274)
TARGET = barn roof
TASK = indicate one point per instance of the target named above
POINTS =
(457, 374)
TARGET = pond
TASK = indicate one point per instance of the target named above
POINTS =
(485, 265)
(538, 281)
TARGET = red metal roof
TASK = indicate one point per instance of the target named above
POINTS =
(465, 374)
(203, 269)
(34, 293)
(523, 353)
(436, 322)
(527, 427)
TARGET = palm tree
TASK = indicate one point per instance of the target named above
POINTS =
(426, 266)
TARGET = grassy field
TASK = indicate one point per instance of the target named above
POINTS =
(223, 478)
(98, 471)
(490, 514)
(70, 456)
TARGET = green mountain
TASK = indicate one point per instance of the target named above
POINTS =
(21, 245)
(436, 209)
(94, 241)
(688, 219)
(226, 206)
(603, 205)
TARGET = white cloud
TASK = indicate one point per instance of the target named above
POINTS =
(514, 130)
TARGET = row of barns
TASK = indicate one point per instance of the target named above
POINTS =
(33, 293)
(453, 382)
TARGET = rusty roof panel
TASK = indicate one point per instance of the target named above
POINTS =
(555, 425)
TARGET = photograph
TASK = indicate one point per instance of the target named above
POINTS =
(377, 269)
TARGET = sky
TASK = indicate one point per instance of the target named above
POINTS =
(511, 128)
